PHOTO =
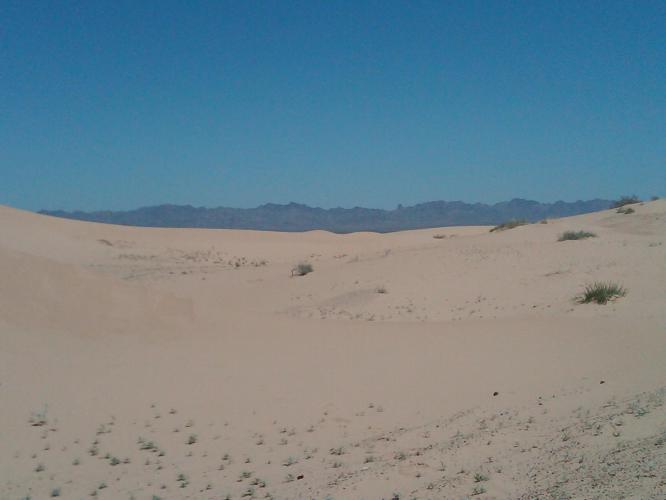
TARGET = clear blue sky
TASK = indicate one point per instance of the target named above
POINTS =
(122, 104)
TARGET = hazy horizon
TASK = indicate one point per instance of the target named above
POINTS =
(292, 202)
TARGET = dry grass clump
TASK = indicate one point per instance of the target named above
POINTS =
(509, 225)
(576, 235)
(602, 293)
(302, 269)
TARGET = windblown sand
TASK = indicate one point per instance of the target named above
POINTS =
(446, 363)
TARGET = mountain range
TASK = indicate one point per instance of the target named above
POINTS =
(298, 217)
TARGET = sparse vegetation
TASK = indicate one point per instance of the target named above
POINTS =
(509, 225)
(192, 439)
(38, 419)
(381, 289)
(625, 210)
(478, 490)
(602, 293)
(55, 492)
(302, 269)
(576, 235)
(478, 477)
(626, 200)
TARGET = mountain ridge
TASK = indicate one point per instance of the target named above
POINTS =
(297, 217)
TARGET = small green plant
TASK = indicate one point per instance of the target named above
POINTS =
(576, 235)
(114, 461)
(509, 225)
(38, 418)
(478, 490)
(625, 210)
(40, 468)
(55, 492)
(289, 462)
(478, 477)
(289, 478)
(400, 455)
(183, 480)
(601, 293)
(302, 269)
(381, 289)
(336, 451)
(244, 475)
(192, 439)
(626, 200)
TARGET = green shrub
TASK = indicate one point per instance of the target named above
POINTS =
(625, 210)
(626, 200)
(576, 235)
(509, 225)
(601, 293)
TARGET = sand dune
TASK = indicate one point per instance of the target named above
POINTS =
(444, 363)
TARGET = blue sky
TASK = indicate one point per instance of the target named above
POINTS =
(124, 104)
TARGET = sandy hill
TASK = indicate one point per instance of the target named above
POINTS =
(439, 363)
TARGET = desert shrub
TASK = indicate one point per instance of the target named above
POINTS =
(626, 200)
(302, 269)
(478, 490)
(601, 293)
(576, 235)
(625, 210)
(439, 236)
(509, 225)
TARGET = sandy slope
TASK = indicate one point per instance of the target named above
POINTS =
(125, 344)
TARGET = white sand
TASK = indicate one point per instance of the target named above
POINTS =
(117, 333)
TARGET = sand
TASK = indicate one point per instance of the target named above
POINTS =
(441, 363)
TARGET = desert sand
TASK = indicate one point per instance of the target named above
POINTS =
(443, 363)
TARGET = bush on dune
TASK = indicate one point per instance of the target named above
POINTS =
(509, 225)
(626, 200)
(576, 235)
(602, 293)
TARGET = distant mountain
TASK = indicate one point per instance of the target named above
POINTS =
(297, 217)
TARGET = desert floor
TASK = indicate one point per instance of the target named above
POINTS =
(445, 363)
